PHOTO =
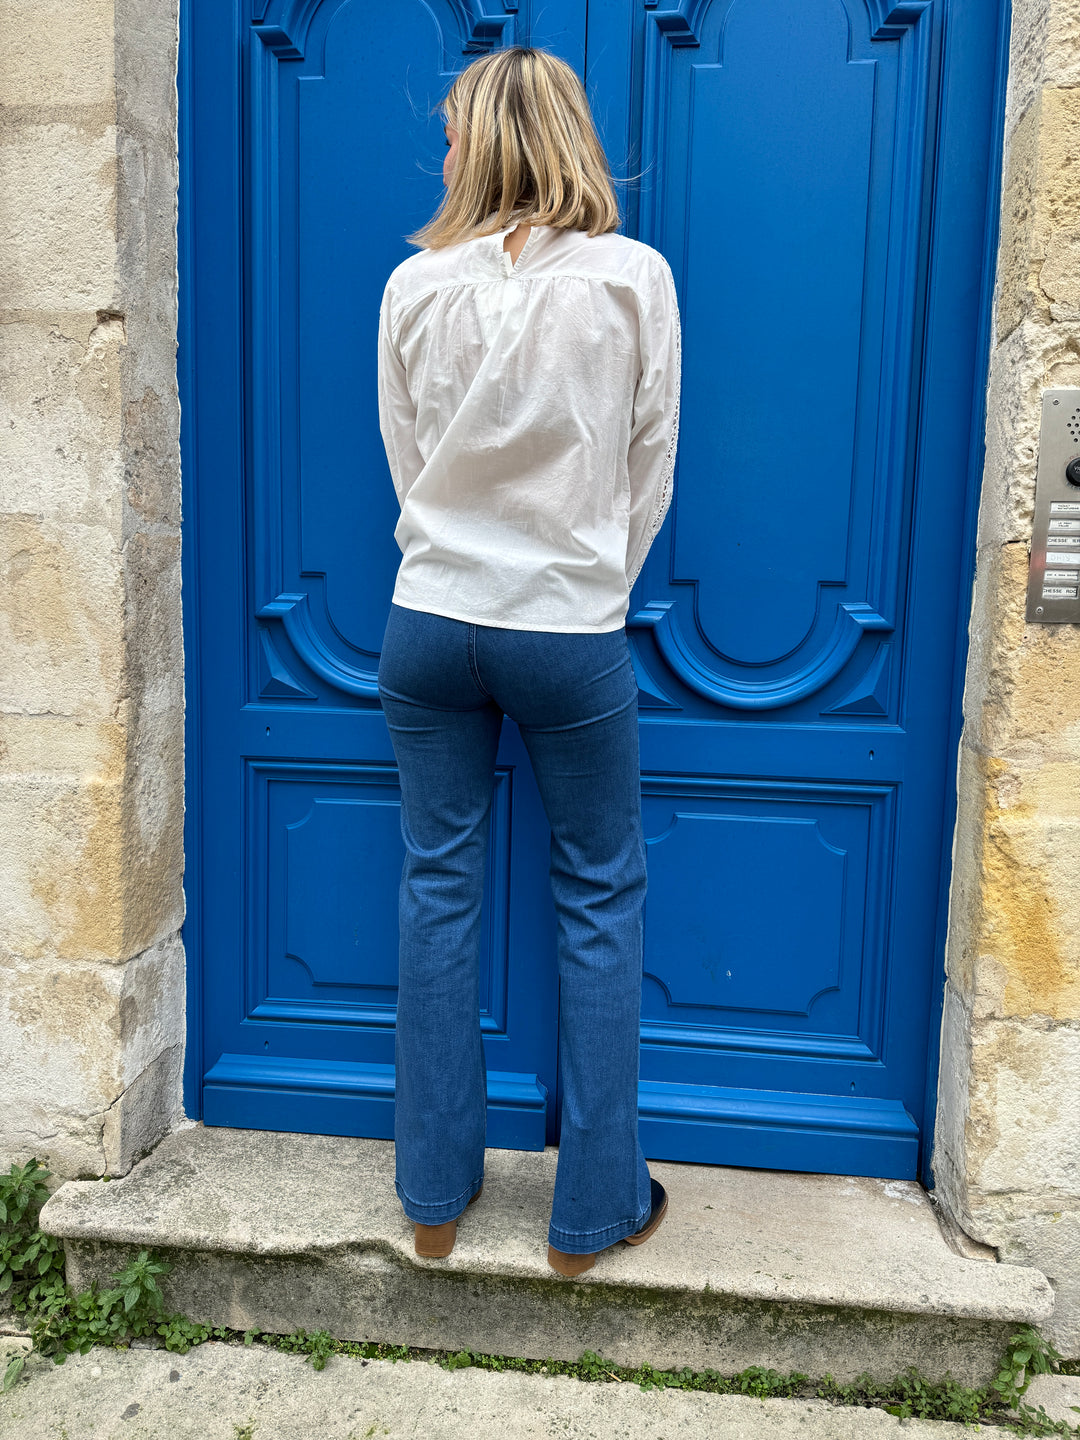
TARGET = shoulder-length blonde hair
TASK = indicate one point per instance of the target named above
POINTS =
(528, 152)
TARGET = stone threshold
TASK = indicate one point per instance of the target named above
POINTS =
(816, 1273)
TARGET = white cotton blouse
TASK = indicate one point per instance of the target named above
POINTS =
(530, 413)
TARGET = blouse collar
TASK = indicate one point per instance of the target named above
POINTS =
(495, 241)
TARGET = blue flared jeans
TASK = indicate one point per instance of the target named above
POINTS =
(445, 685)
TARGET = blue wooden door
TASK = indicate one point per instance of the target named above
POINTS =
(815, 173)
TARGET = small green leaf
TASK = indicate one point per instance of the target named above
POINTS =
(13, 1371)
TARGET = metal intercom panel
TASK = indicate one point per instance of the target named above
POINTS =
(1053, 596)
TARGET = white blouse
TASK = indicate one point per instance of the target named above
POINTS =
(530, 413)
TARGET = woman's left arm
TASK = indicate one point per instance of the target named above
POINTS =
(654, 433)
(397, 411)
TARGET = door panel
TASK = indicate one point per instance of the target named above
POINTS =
(786, 789)
(796, 251)
(341, 158)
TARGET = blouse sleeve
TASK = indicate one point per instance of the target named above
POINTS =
(654, 432)
(397, 412)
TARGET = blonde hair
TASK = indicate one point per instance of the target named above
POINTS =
(527, 150)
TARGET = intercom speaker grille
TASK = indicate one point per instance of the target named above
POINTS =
(1069, 419)
(1053, 596)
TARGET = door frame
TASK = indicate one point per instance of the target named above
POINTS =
(962, 243)
(983, 59)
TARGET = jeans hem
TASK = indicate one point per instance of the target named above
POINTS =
(587, 1242)
(437, 1214)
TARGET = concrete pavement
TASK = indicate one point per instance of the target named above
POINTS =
(230, 1392)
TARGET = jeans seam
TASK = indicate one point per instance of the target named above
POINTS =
(595, 1237)
(581, 724)
(466, 1195)
(385, 692)
(473, 670)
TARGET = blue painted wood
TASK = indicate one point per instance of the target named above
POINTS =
(298, 847)
(797, 629)
(825, 1134)
(191, 930)
(353, 1099)
(961, 263)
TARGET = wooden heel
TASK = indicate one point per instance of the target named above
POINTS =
(569, 1264)
(435, 1242)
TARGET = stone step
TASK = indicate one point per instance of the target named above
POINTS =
(816, 1273)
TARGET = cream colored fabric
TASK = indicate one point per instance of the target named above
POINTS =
(530, 414)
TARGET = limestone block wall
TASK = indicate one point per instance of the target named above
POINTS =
(1007, 1153)
(91, 662)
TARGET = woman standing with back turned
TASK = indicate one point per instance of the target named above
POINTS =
(528, 400)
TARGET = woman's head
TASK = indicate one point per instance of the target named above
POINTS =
(527, 151)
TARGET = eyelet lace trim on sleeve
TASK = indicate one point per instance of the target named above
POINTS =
(664, 489)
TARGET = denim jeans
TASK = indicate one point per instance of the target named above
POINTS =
(445, 686)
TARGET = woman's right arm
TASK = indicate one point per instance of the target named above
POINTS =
(397, 412)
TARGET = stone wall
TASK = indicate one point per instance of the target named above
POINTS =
(91, 660)
(1007, 1155)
